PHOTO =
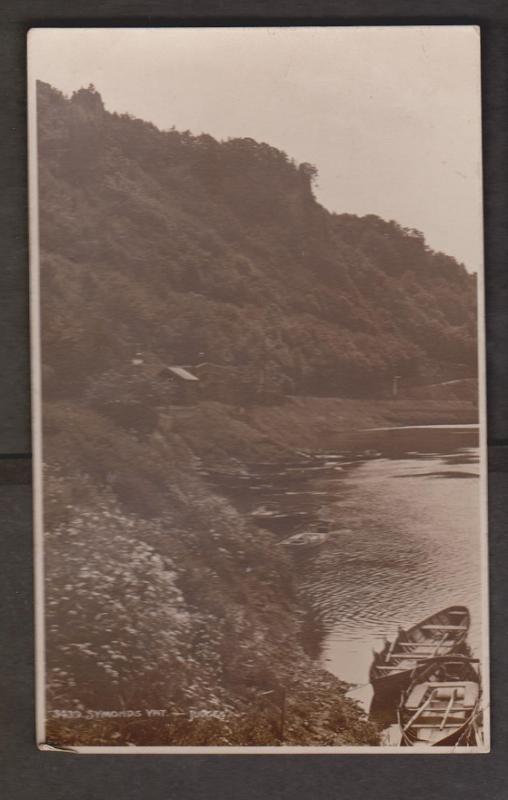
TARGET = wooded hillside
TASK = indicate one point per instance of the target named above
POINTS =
(192, 250)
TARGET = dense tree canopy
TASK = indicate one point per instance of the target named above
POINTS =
(192, 249)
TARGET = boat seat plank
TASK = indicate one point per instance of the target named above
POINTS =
(436, 711)
(426, 645)
(429, 725)
(411, 656)
(436, 627)
(433, 711)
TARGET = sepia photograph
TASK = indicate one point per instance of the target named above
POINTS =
(258, 390)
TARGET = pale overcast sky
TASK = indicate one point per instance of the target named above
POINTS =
(390, 116)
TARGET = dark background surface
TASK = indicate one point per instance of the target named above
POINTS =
(27, 773)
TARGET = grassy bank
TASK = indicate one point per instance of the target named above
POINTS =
(219, 432)
(160, 595)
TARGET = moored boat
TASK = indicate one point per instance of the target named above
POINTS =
(306, 539)
(440, 634)
(441, 707)
(314, 536)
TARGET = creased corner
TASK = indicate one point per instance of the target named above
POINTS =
(46, 747)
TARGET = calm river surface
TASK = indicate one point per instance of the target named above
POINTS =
(403, 514)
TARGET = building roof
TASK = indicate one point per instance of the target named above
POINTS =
(183, 373)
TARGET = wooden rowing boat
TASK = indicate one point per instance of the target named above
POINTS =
(441, 706)
(441, 634)
(306, 539)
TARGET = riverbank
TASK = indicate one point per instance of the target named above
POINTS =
(321, 421)
(217, 432)
(162, 595)
(205, 616)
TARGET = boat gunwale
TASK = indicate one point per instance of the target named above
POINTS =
(418, 678)
(397, 672)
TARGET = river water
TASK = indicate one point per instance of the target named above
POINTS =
(402, 510)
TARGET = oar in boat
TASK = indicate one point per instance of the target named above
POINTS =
(441, 704)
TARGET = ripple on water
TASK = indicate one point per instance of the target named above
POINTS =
(415, 549)
(398, 550)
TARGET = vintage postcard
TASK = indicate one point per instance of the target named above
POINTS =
(258, 390)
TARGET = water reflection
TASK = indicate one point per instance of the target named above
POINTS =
(402, 507)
